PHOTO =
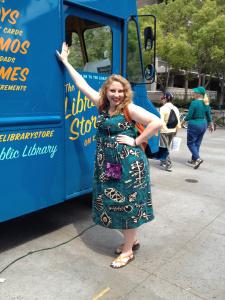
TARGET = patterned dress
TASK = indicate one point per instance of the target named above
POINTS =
(126, 202)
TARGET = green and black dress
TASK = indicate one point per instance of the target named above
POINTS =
(124, 203)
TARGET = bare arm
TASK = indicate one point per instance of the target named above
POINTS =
(152, 122)
(80, 82)
(140, 115)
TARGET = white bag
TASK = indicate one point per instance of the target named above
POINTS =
(176, 142)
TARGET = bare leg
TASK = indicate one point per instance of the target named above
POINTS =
(130, 236)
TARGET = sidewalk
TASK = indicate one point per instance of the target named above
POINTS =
(182, 250)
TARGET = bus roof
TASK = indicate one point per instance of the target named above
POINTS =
(120, 8)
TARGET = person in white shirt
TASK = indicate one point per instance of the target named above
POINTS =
(167, 133)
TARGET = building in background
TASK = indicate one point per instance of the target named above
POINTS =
(141, 3)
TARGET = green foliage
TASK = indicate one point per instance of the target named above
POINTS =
(190, 34)
(134, 71)
(208, 36)
(100, 37)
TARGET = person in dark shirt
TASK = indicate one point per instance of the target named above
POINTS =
(198, 118)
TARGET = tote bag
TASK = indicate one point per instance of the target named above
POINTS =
(176, 142)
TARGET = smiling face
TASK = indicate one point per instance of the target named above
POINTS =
(115, 94)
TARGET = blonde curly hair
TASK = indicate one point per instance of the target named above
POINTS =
(128, 94)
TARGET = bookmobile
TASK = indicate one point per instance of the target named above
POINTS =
(47, 126)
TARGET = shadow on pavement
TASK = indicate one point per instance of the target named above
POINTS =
(26, 228)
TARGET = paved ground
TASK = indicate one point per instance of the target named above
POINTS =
(181, 255)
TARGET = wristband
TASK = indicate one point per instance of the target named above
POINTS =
(135, 144)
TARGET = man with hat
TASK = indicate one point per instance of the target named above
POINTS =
(198, 118)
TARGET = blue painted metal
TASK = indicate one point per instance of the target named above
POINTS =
(47, 126)
(32, 155)
(119, 9)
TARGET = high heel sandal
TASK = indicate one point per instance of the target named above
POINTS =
(121, 261)
(135, 247)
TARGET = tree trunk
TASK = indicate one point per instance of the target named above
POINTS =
(172, 77)
(167, 76)
(186, 87)
(222, 82)
(199, 78)
(160, 81)
(208, 82)
(203, 80)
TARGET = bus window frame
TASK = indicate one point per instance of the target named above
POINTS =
(134, 18)
(82, 40)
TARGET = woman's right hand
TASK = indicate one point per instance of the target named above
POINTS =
(63, 56)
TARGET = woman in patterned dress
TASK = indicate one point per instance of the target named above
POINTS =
(121, 190)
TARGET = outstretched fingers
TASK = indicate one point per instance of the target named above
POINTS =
(64, 52)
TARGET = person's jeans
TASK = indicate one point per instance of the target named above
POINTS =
(162, 154)
(195, 133)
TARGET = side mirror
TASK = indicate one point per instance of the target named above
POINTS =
(150, 73)
(148, 38)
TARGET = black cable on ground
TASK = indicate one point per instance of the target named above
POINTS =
(44, 249)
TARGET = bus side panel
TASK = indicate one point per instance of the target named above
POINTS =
(32, 108)
(81, 122)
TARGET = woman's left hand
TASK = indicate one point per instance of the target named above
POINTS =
(125, 139)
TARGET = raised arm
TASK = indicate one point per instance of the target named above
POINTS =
(80, 82)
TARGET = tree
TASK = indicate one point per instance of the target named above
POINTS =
(208, 38)
(172, 36)
(191, 36)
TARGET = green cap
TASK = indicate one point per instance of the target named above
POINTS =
(199, 90)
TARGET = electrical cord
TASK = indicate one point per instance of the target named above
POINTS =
(49, 248)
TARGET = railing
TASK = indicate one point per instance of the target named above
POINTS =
(178, 94)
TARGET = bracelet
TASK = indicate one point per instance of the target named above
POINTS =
(135, 144)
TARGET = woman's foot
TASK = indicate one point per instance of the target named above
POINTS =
(122, 260)
(135, 247)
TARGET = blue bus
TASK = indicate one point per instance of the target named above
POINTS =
(47, 126)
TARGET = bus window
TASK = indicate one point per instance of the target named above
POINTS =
(75, 57)
(134, 69)
(90, 45)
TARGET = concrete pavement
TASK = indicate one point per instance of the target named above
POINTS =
(182, 254)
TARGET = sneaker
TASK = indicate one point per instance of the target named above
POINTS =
(191, 161)
(168, 168)
(197, 163)
(162, 163)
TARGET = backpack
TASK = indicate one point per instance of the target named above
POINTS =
(172, 120)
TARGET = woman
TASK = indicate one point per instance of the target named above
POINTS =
(198, 118)
(167, 132)
(121, 191)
